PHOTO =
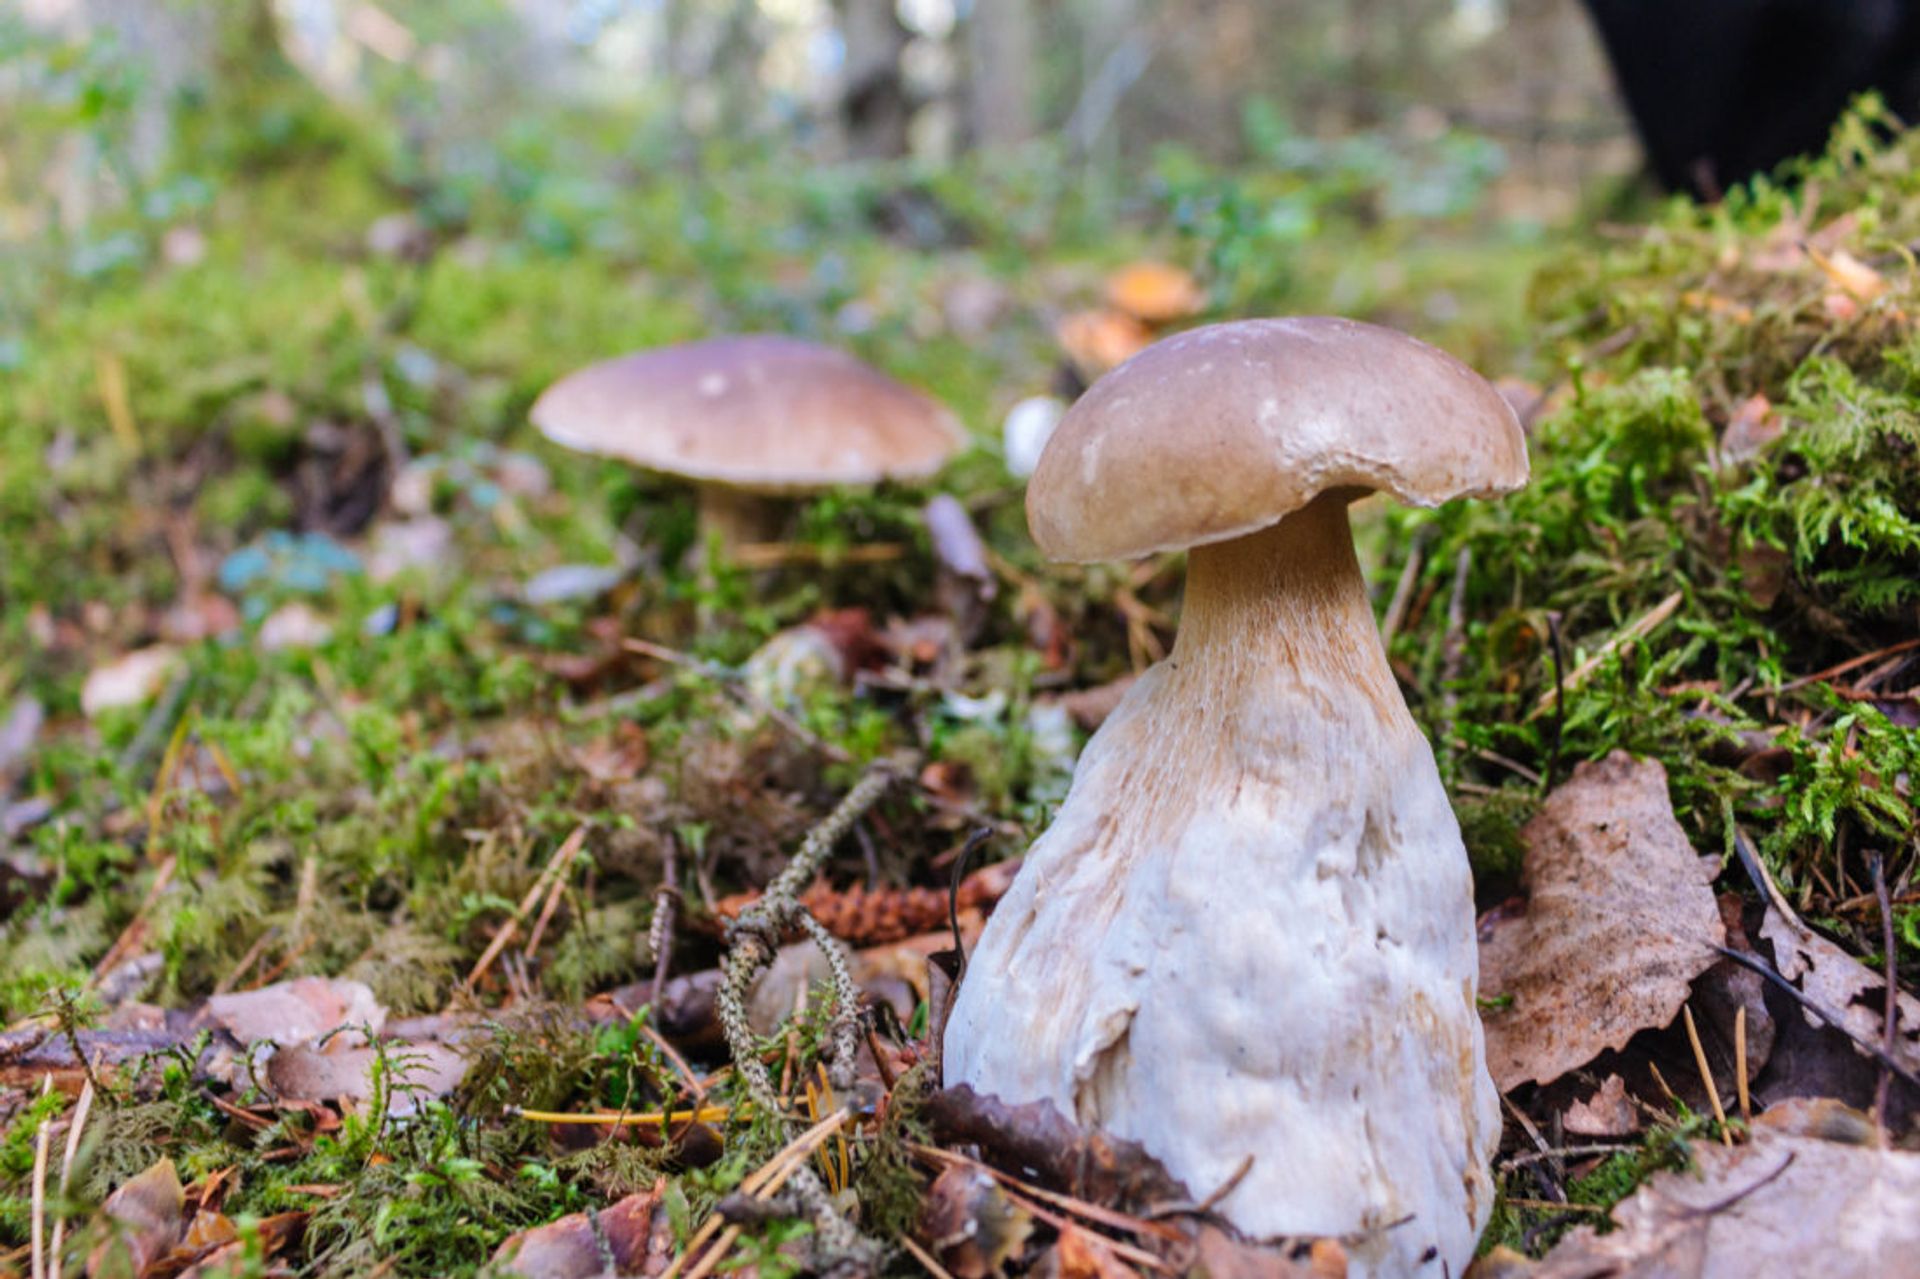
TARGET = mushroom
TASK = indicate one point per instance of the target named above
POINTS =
(749, 418)
(1249, 931)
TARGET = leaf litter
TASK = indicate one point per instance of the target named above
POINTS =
(373, 785)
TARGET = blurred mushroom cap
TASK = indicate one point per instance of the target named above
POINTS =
(760, 413)
(1223, 430)
(1154, 292)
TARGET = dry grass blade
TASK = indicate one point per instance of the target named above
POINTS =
(81, 1110)
(555, 869)
(38, 1231)
(1639, 630)
(1706, 1075)
(761, 1184)
(1740, 1061)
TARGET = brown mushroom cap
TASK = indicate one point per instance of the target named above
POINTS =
(760, 413)
(1222, 430)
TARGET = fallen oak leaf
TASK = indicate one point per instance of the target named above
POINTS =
(973, 1227)
(1608, 1113)
(1834, 979)
(300, 1011)
(146, 1216)
(1783, 1205)
(1619, 920)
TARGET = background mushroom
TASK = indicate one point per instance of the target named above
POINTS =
(1249, 931)
(749, 418)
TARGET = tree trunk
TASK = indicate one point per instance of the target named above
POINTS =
(1000, 73)
(873, 96)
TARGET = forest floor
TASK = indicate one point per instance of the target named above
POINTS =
(354, 741)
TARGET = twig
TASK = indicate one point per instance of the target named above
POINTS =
(532, 947)
(1396, 613)
(1821, 1011)
(1706, 1075)
(1453, 649)
(136, 927)
(556, 868)
(1564, 1152)
(81, 1110)
(1550, 1179)
(1719, 1206)
(1640, 629)
(1890, 970)
(42, 1141)
(1854, 664)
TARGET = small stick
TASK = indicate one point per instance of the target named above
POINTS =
(924, 1257)
(1740, 1061)
(556, 867)
(1706, 1076)
(1640, 629)
(247, 961)
(1890, 970)
(1453, 649)
(81, 1110)
(1565, 1152)
(1831, 671)
(136, 927)
(1814, 1006)
(1396, 613)
(1548, 1205)
(546, 916)
(1551, 1178)
(42, 1141)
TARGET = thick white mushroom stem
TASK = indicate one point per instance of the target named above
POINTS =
(1249, 930)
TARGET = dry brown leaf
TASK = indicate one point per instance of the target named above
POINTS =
(1849, 274)
(128, 680)
(1608, 1113)
(1838, 981)
(147, 1215)
(417, 1071)
(1752, 427)
(1786, 1206)
(632, 1237)
(1822, 1117)
(1080, 1255)
(1619, 921)
(970, 1225)
(297, 1012)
